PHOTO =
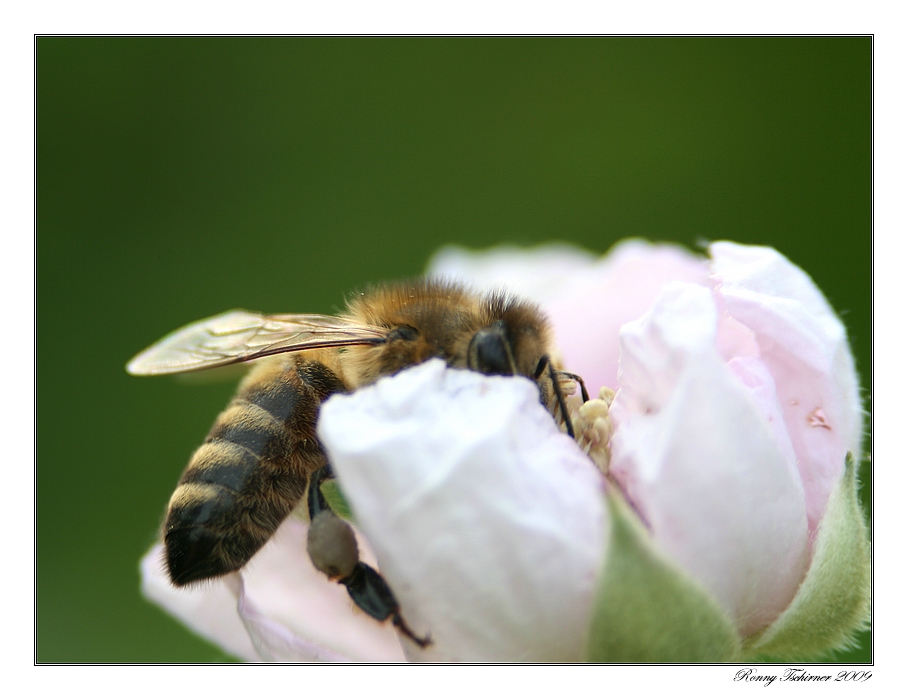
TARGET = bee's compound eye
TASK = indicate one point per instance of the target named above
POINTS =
(402, 333)
(489, 353)
(332, 545)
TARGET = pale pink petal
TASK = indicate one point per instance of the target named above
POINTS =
(533, 273)
(488, 522)
(282, 585)
(586, 299)
(757, 380)
(804, 346)
(208, 609)
(698, 459)
(620, 287)
(276, 642)
(278, 608)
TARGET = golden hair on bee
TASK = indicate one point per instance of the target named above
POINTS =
(262, 457)
(440, 318)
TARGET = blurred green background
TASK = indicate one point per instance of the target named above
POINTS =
(180, 177)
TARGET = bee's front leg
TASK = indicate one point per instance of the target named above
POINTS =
(333, 550)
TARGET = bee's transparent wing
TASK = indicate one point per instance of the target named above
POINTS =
(238, 336)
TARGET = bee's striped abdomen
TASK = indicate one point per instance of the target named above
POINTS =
(251, 471)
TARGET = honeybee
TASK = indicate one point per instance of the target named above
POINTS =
(262, 456)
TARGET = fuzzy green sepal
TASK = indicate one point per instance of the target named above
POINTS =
(335, 497)
(646, 610)
(833, 602)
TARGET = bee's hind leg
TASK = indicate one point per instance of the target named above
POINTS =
(370, 592)
(333, 550)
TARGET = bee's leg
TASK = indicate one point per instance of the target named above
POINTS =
(584, 394)
(371, 593)
(333, 550)
(545, 363)
(315, 498)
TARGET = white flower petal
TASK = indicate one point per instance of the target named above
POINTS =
(488, 522)
(804, 345)
(698, 459)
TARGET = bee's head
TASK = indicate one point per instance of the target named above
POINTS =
(514, 337)
(492, 334)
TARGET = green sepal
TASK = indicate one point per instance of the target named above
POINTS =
(646, 610)
(833, 602)
(332, 493)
